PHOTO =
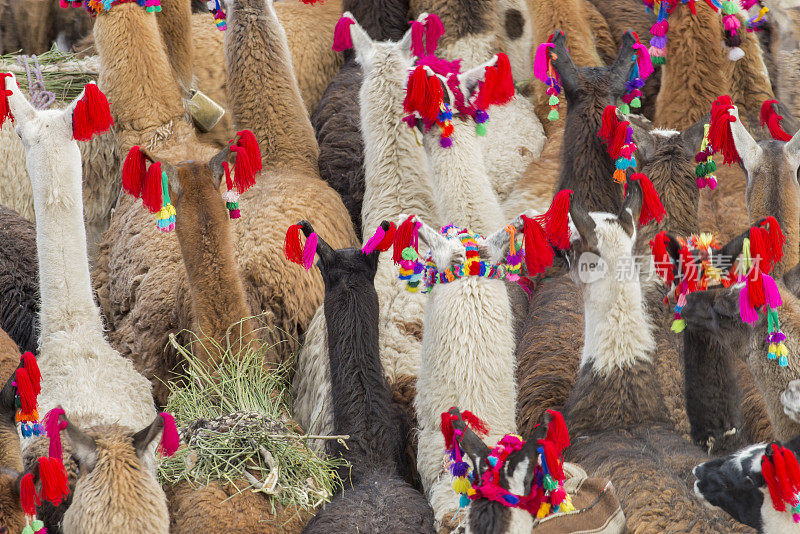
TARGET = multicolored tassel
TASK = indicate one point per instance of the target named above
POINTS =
(642, 69)
(658, 41)
(731, 24)
(544, 71)
(231, 197)
(94, 7)
(218, 13)
(755, 24)
(618, 137)
(781, 472)
(166, 215)
(27, 383)
(705, 164)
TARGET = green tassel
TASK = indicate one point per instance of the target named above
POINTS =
(37, 525)
(553, 100)
(409, 254)
(729, 8)
(700, 170)
(656, 60)
(636, 102)
(624, 108)
(480, 129)
(549, 483)
(27, 530)
(553, 115)
(678, 325)
(711, 166)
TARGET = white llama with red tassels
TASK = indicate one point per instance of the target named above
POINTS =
(100, 390)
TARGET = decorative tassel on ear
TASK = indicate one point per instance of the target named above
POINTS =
(755, 24)
(170, 440)
(54, 480)
(720, 136)
(514, 256)
(555, 220)
(434, 29)
(29, 500)
(218, 13)
(248, 142)
(91, 114)
(477, 424)
(557, 430)
(165, 220)
(774, 239)
(418, 38)
(781, 471)
(381, 240)
(658, 41)
(133, 172)
(309, 250)
(538, 254)
(342, 40)
(27, 384)
(231, 197)
(731, 24)
(618, 136)
(705, 163)
(652, 208)
(642, 68)
(54, 425)
(545, 72)
(32, 367)
(5, 109)
(771, 118)
(661, 258)
(151, 188)
(405, 237)
(292, 248)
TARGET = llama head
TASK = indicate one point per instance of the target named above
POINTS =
(602, 243)
(592, 88)
(114, 486)
(666, 152)
(790, 398)
(380, 58)
(738, 484)
(771, 169)
(343, 269)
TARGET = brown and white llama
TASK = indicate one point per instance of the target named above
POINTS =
(141, 316)
(397, 178)
(616, 415)
(375, 495)
(77, 364)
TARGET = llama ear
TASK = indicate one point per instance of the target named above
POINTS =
(632, 206)
(143, 438)
(645, 141)
(324, 251)
(792, 149)
(747, 147)
(470, 79)
(83, 445)
(215, 164)
(470, 442)
(692, 137)
(584, 224)
(362, 43)
(404, 44)
(19, 106)
(620, 70)
(562, 62)
(496, 245)
(730, 251)
(173, 183)
(789, 123)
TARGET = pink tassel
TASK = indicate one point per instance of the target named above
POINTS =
(417, 38)
(434, 29)
(771, 294)
(342, 40)
(659, 29)
(540, 62)
(170, 440)
(746, 310)
(374, 241)
(309, 251)
(731, 23)
(643, 60)
(53, 425)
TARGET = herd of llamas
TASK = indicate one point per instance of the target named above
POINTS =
(426, 211)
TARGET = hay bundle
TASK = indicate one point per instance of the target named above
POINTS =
(62, 73)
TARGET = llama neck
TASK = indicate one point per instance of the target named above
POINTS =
(673, 177)
(138, 80)
(460, 183)
(397, 178)
(361, 399)
(64, 284)
(263, 94)
(218, 296)
(383, 20)
(709, 69)
(586, 167)
(572, 18)
(175, 25)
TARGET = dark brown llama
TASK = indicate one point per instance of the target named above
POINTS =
(19, 279)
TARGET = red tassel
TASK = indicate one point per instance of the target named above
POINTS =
(553, 459)
(30, 365)
(768, 472)
(243, 177)
(170, 441)
(388, 238)
(248, 141)
(151, 188)
(758, 249)
(719, 134)
(774, 239)
(133, 172)
(54, 480)
(433, 100)
(557, 430)
(342, 40)
(555, 220)
(689, 269)
(416, 90)
(771, 118)
(446, 426)
(27, 396)
(477, 424)
(403, 238)
(618, 140)
(609, 125)
(538, 254)
(5, 109)
(91, 114)
(27, 495)
(652, 208)
(661, 258)
(292, 249)
(792, 469)
(504, 90)
(781, 475)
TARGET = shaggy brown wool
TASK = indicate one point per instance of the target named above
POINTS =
(33, 26)
(602, 33)
(174, 23)
(465, 18)
(750, 82)
(19, 280)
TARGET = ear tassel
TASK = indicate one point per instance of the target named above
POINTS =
(309, 250)
(555, 220)
(720, 136)
(170, 440)
(434, 30)
(292, 248)
(557, 430)
(133, 172)
(405, 237)
(661, 258)
(652, 208)
(53, 426)
(538, 254)
(418, 38)
(5, 109)
(151, 188)
(477, 424)
(28, 497)
(91, 114)
(342, 39)
(231, 197)
(772, 120)
(54, 480)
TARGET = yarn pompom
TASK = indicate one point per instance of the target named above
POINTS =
(652, 208)
(133, 172)
(720, 136)
(772, 120)
(342, 40)
(54, 480)
(91, 114)
(292, 249)
(170, 440)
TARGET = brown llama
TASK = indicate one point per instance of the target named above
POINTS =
(19, 282)
(33, 27)
(290, 174)
(11, 514)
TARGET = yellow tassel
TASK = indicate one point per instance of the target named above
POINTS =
(544, 510)
(567, 505)
(461, 485)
